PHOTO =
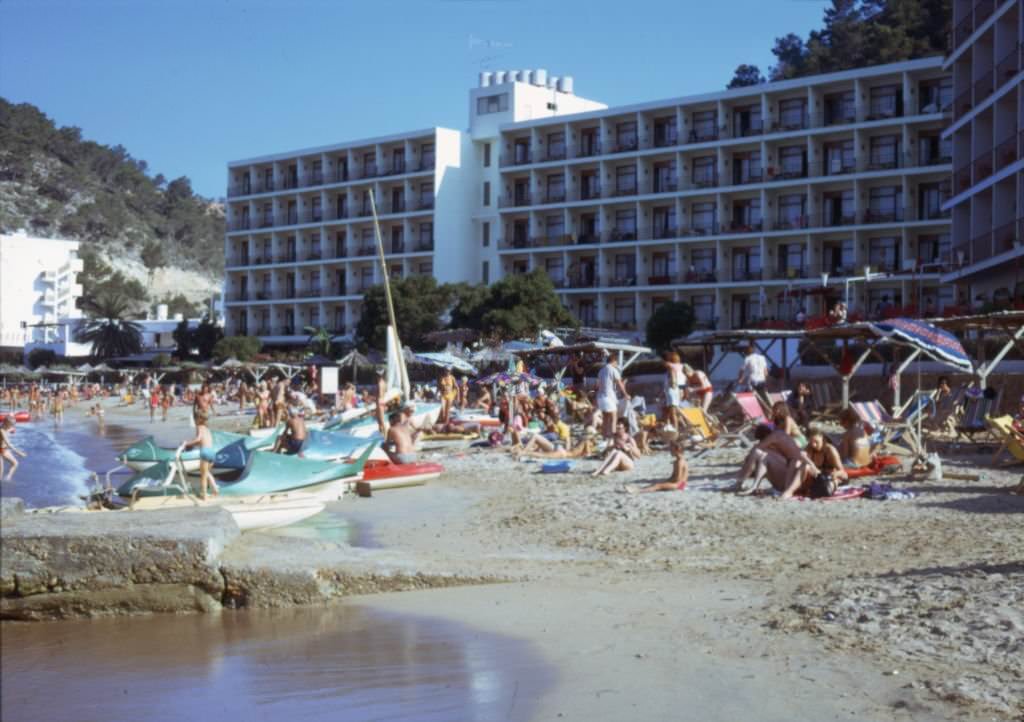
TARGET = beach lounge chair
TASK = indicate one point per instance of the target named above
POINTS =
(712, 433)
(944, 419)
(752, 414)
(976, 408)
(1011, 440)
(890, 430)
(828, 401)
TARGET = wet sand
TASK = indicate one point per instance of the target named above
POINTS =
(340, 663)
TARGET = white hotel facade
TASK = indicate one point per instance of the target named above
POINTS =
(735, 201)
(986, 62)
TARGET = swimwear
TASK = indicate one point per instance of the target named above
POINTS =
(294, 445)
(406, 458)
(207, 453)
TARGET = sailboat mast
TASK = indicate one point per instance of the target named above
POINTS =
(383, 263)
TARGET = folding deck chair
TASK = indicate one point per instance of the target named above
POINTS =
(1010, 439)
(944, 420)
(827, 402)
(713, 435)
(976, 408)
(890, 430)
(753, 413)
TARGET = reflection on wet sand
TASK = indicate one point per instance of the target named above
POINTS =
(339, 663)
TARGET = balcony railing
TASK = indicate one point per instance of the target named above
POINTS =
(588, 150)
(620, 235)
(983, 87)
(518, 157)
(1008, 65)
(666, 140)
(790, 123)
(982, 166)
(889, 215)
(554, 153)
(1006, 152)
(625, 189)
(424, 246)
(704, 179)
(962, 104)
(424, 203)
(739, 226)
(743, 176)
(554, 196)
(625, 145)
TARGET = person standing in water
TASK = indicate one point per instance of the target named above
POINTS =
(207, 455)
(8, 450)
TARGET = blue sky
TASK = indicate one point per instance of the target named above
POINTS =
(188, 85)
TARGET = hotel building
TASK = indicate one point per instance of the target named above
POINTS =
(738, 202)
(38, 288)
(987, 202)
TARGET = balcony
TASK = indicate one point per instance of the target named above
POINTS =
(589, 192)
(983, 87)
(397, 167)
(519, 157)
(588, 150)
(553, 196)
(427, 162)
(1009, 65)
(625, 189)
(620, 235)
(746, 276)
(788, 172)
(883, 161)
(888, 215)
(369, 170)
(267, 221)
(555, 152)
(703, 134)
(701, 275)
(424, 203)
(982, 167)
(242, 224)
(665, 279)
(625, 145)
(703, 228)
(962, 104)
(926, 158)
(395, 205)
(799, 271)
(744, 227)
(705, 179)
(659, 185)
(745, 175)
(288, 257)
(791, 223)
(291, 182)
(313, 256)
(660, 232)
(315, 178)
(555, 239)
(1006, 152)
(424, 246)
(789, 123)
(666, 140)
(831, 219)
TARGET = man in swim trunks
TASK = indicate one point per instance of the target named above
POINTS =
(399, 444)
(294, 434)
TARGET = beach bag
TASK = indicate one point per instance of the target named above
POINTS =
(821, 486)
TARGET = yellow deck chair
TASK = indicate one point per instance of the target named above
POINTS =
(713, 435)
(1010, 439)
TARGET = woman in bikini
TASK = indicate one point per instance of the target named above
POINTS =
(855, 445)
(826, 458)
(8, 450)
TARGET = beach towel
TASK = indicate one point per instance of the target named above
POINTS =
(556, 467)
(430, 436)
(878, 465)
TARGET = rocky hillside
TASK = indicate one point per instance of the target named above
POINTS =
(55, 184)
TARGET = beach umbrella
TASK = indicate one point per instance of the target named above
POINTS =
(446, 360)
(935, 342)
(505, 378)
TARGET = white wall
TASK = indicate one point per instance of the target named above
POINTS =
(38, 284)
(456, 257)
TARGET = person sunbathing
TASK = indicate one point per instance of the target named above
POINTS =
(830, 473)
(616, 460)
(676, 482)
(585, 447)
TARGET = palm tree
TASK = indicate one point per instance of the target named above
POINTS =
(319, 340)
(108, 329)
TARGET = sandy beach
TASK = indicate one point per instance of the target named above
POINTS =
(706, 606)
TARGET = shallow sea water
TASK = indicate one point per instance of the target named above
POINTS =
(336, 663)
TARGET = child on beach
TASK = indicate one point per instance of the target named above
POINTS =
(676, 482)
(7, 449)
(204, 440)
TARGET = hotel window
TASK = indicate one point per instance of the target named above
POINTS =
(704, 126)
(793, 161)
(665, 132)
(246, 183)
(589, 185)
(317, 211)
(793, 113)
(625, 136)
(704, 217)
(589, 144)
(936, 95)
(369, 164)
(884, 102)
(840, 108)
(521, 151)
(625, 269)
(314, 317)
(663, 264)
(487, 155)
(625, 311)
(427, 268)
(487, 193)
(339, 244)
(702, 262)
(884, 152)
(932, 149)
(426, 156)
(884, 254)
(625, 179)
(553, 267)
(426, 195)
(492, 104)
(746, 168)
(587, 312)
(747, 121)
(884, 204)
(838, 208)
(791, 259)
(554, 227)
(268, 179)
(485, 272)
(665, 177)
(485, 232)
(746, 264)
(398, 160)
(426, 233)
(664, 222)
(625, 225)
(792, 211)
(934, 249)
(746, 215)
(555, 188)
(839, 157)
(704, 171)
(703, 309)
(342, 169)
(930, 198)
(318, 171)
(838, 257)
(556, 146)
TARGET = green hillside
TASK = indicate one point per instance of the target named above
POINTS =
(55, 184)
